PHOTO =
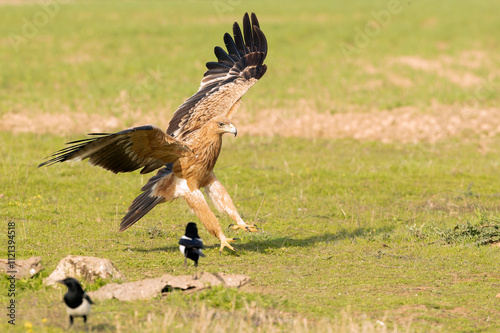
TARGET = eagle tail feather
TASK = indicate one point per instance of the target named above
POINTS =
(146, 200)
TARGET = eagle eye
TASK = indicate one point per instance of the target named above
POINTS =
(221, 124)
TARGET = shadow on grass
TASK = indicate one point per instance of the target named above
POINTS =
(260, 242)
(101, 327)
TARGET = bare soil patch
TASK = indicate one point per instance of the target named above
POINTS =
(442, 67)
(18, 2)
(57, 123)
(405, 124)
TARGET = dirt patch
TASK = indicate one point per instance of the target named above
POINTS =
(18, 2)
(442, 68)
(399, 81)
(406, 124)
(61, 124)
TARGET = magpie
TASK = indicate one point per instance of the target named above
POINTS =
(191, 244)
(77, 301)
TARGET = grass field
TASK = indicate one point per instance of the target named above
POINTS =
(372, 172)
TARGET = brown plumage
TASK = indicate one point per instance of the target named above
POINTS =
(188, 151)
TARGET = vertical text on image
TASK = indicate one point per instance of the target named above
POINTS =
(11, 272)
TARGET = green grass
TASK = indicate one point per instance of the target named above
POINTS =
(360, 230)
(90, 53)
(352, 232)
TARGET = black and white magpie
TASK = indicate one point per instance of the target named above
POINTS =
(77, 301)
(191, 244)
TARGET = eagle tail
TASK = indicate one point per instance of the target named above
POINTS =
(146, 200)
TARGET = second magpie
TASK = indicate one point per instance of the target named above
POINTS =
(77, 301)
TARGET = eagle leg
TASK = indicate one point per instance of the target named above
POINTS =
(223, 203)
(197, 203)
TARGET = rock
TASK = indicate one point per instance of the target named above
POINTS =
(23, 268)
(497, 296)
(149, 288)
(87, 268)
(142, 289)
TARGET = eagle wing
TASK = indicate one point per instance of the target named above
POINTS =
(146, 147)
(226, 80)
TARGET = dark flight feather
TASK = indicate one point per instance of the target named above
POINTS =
(146, 147)
(246, 51)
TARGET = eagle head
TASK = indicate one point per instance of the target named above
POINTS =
(222, 125)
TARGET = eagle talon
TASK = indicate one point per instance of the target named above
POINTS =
(225, 243)
(246, 227)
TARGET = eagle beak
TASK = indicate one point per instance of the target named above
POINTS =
(232, 130)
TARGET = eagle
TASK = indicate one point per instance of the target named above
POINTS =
(186, 153)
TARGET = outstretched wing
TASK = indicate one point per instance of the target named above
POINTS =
(146, 147)
(226, 80)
